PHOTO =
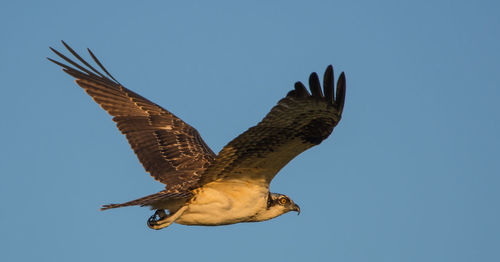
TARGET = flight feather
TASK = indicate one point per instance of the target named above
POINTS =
(172, 151)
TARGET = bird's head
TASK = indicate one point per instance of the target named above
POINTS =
(282, 202)
(277, 204)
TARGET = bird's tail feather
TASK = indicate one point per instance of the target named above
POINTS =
(149, 200)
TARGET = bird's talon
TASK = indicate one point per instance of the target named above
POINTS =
(157, 216)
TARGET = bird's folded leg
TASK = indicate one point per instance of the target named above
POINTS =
(161, 220)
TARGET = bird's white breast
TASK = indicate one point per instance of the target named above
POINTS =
(228, 202)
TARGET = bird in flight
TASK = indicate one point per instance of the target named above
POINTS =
(201, 187)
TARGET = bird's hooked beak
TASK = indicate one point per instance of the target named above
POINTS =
(296, 208)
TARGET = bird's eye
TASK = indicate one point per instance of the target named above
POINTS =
(283, 200)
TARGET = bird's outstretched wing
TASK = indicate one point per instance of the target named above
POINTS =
(172, 151)
(298, 122)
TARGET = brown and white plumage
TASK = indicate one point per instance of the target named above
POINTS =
(198, 181)
(298, 122)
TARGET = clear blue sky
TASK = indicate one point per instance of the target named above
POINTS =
(412, 172)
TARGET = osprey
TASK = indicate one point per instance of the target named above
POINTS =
(204, 188)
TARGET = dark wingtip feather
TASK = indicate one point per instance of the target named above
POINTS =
(301, 90)
(315, 86)
(92, 73)
(64, 43)
(75, 54)
(292, 93)
(70, 61)
(340, 96)
(328, 84)
(56, 62)
(101, 66)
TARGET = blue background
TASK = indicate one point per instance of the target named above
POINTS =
(411, 173)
